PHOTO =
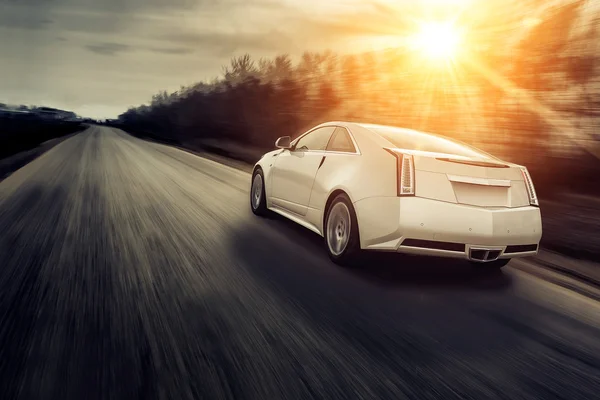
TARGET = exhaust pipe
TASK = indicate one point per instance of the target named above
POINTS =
(480, 254)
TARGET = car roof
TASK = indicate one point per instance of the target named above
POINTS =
(369, 126)
(361, 127)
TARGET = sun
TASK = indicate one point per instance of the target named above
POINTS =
(437, 40)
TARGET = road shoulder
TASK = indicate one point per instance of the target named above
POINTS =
(558, 275)
(11, 164)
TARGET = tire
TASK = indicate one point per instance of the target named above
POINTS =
(341, 232)
(492, 265)
(258, 201)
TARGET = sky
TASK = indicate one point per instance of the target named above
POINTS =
(98, 57)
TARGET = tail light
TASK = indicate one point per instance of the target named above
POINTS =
(533, 200)
(405, 173)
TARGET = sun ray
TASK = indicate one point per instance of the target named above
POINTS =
(465, 101)
(550, 116)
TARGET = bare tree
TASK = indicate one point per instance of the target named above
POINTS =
(240, 69)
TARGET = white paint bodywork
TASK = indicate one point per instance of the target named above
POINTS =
(453, 202)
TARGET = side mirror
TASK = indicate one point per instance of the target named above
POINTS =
(284, 142)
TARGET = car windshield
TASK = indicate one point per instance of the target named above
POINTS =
(414, 140)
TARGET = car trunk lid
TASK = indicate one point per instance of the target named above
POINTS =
(483, 182)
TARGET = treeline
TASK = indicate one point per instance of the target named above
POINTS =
(253, 103)
(505, 97)
(24, 137)
(22, 132)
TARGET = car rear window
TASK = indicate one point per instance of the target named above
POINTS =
(414, 140)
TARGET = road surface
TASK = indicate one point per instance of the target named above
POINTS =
(132, 270)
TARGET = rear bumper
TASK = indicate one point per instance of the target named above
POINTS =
(429, 227)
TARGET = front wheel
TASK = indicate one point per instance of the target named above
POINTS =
(341, 232)
(258, 201)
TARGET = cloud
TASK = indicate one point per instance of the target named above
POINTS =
(136, 6)
(171, 50)
(17, 20)
(225, 44)
(274, 25)
(289, 30)
(112, 5)
(107, 49)
(371, 18)
(111, 49)
(92, 16)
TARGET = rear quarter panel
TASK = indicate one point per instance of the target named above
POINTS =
(369, 174)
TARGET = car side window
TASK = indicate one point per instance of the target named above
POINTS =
(315, 140)
(341, 141)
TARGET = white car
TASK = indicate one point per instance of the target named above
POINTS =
(384, 188)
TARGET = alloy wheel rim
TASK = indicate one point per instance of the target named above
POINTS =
(256, 191)
(338, 228)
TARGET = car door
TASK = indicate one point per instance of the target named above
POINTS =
(294, 171)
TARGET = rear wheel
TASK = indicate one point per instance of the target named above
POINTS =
(258, 201)
(341, 232)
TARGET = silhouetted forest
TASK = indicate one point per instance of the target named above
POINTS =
(530, 95)
(25, 132)
(25, 136)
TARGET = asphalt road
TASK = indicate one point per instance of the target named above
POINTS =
(131, 270)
